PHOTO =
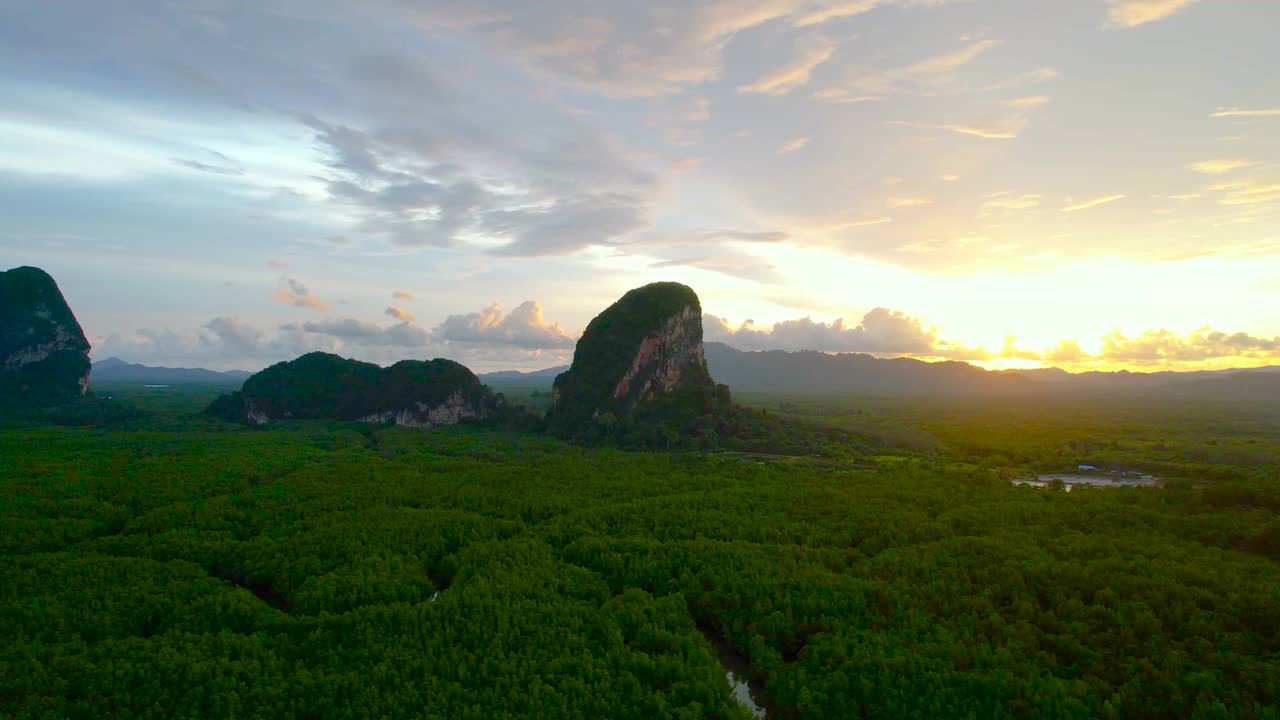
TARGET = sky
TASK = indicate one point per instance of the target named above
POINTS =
(1089, 184)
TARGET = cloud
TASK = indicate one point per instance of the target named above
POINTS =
(990, 132)
(880, 331)
(738, 265)
(950, 62)
(1011, 350)
(524, 327)
(1219, 167)
(792, 145)
(704, 237)
(932, 76)
(1031, 101)
(794, 75)
(360, 332)
(296, 294)
(1154, 346)
(716, 249)
(1034, 76)
(990, 129)
(905, 202)
(566, 225)
(1003, 248)
(208, 167)
(402, 295)
(832, 12)
(1093, 202)
(277, 264)
(840, 96)
(443, 174)
(214, 163)
(1067, 351)
(766, 236)
(551, 195)
(854, 222)
(522, 338)
(811, 13)
(234, 333)
(624, 48)
(684, 165)
(1006, 202)
(221, 343)
(627, 49)
(1132, 13)
(699, 109)
(399, 314)
(1247, 192)
(1270, 112)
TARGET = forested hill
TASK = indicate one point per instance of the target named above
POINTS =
(325, 386)
(857, 373)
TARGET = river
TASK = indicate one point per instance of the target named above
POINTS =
(738, 669)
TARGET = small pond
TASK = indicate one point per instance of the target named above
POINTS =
(1070, 480)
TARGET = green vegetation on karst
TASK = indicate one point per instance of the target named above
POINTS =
(325, 386)
(178, 566)
(590, 406)
(43, 351)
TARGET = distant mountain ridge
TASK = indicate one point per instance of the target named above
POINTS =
(115, 370)
(518, 375)
(851, 373)
(857, 373)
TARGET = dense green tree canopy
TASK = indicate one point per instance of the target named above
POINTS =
(183, 567)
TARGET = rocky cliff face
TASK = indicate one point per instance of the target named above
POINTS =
(640, 358)
(413, 393)
(44, 356)
(664, 358)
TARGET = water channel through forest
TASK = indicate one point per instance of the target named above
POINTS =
(738, 668)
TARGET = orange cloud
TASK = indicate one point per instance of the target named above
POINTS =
(902, 202)
(793, 145)
(1093, 202)
(841, 96)
(1219, 167)
(296, 294)
(400, 314)
(1002, 202)
(951, 61)
(1030, 101)
(849, 9)
(790, 77)
(1132, 13)
(1271, 112)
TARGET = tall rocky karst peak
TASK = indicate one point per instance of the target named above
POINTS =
(644, 351)
(44, 356)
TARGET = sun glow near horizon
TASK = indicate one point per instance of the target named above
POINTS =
(1034, 311)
